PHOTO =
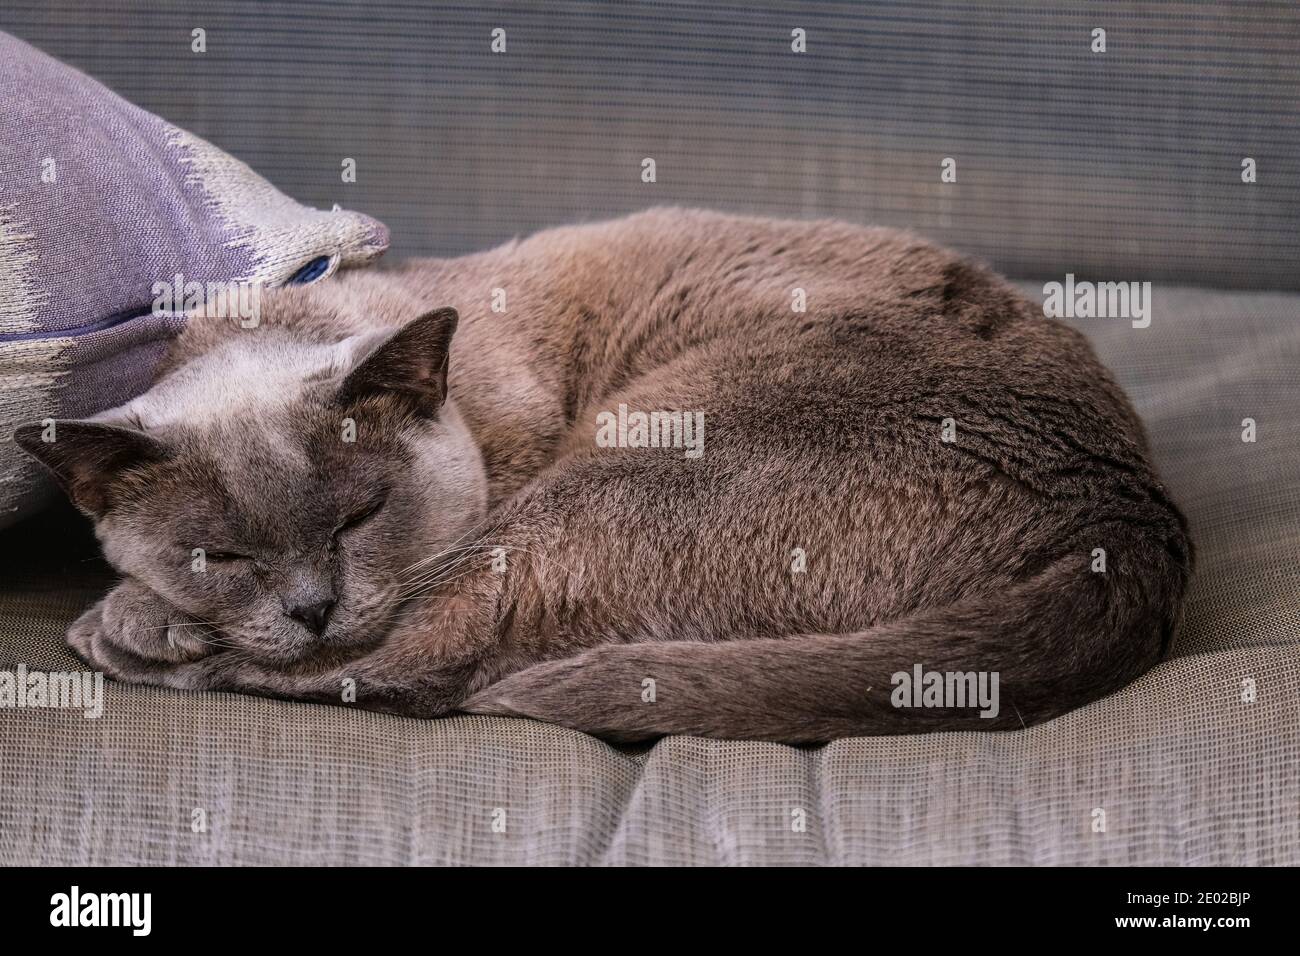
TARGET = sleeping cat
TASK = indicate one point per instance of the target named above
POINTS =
(683, 473)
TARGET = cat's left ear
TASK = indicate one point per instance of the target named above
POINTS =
(411, 366)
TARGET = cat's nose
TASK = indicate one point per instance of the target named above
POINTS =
(314, 616)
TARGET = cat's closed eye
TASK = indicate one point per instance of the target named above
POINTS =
(227, 557)
(360, 517)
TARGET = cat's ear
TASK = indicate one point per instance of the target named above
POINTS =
(90, 460)
(410, 366)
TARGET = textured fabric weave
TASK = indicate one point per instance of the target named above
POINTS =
(1117, 165)
(1185, 772)
(1186, 764)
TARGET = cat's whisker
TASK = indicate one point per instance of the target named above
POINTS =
(482, 534)
(463, 552)
(425, 589)
(220, 644)
(433, 573)
(488, 546)
(449, 560)
(164, 627)
(449, 549)
(482, 545)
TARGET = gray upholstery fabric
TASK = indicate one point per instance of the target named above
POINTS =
(1184, 767)
(1122, 166)
(1185, 773)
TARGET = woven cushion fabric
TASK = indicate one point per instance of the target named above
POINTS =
(1122, 165)
(1198, 762)
(1184, 771)
(103, 208)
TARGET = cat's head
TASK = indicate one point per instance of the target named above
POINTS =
(284, 489)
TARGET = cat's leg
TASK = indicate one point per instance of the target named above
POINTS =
(134, 636)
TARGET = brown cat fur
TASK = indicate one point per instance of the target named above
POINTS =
(629, 569)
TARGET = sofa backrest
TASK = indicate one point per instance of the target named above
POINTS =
(1125, 164)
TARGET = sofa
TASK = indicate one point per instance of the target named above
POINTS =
(1123, 165)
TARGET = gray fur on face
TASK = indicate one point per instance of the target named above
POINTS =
(276, 511)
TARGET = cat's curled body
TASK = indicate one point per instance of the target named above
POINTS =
(916, 469)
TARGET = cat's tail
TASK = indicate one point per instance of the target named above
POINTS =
(1062, 638)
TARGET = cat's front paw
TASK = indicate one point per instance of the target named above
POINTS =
(134, 636)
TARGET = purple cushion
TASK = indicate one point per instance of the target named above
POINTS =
(100, 201)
